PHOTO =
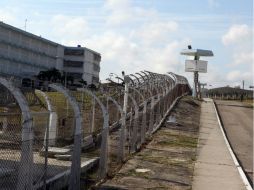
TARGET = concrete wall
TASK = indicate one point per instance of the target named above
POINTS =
(22, 53)
(89, 71)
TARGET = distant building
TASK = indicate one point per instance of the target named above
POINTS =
(23, 54)
(83, 63)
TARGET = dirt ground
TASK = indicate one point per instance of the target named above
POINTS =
(237, 119)
(167, 162)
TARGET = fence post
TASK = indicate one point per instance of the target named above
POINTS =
(121, 148)
(133, 139)
(143, 127)
(103, 163)
(25, 173)
(93, 114)
(74, 182)
(52, 119)
(151, 116)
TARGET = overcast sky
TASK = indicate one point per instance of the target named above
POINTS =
(134, 35)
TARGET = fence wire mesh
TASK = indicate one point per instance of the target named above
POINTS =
(107, 135)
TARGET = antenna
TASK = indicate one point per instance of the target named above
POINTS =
(25, 24)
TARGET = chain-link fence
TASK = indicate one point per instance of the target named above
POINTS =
(50, 139)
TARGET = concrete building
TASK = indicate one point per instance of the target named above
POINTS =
(23, 54)
(81, 62)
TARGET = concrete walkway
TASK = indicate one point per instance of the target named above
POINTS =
(214, 168)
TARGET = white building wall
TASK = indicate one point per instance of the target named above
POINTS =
(22, 52)
(89, 72)
(59, 57)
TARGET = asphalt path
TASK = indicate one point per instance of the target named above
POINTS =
(237, 119)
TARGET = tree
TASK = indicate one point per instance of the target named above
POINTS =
(51, 75)
(69, 79)
(83, 82)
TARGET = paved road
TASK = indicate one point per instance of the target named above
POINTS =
(237, 119)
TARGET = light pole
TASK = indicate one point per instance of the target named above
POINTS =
(196, 65)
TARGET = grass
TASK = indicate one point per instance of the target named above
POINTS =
(178, 141)
(163, 160)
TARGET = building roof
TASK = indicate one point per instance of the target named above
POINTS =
(197, 52)
(40, 38)
(27, 33)
(81, 48)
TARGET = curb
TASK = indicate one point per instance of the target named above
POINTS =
(238, 166)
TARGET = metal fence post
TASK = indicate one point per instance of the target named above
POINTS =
(151, 122)
(25, 173)
(143, 126)
(121, 152)
(52, 118)
(93, 115)
(103, 163)
(74, 182)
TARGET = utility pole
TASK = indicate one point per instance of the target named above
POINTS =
(243, 84)
(196, 86)
(196, 66)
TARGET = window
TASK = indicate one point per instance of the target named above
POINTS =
(96, 57)
(78, 64)
(96, 67)
(73, 52)
(95, 79)
(75, 75)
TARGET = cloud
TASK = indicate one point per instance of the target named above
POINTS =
(148, 42)
(9, 15)
(120, 11)
(238, 41)
(121, 52)
(213, 3)
(155, 31)
(236, 75)
(245, 58)
(69, 30)
(237, 34)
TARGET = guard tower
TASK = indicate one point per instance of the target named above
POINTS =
(196, 65)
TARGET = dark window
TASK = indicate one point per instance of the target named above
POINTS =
(96, 57)
(73, 52)
(68, 63)
(96, 67)
(95, 79)
(75, 75)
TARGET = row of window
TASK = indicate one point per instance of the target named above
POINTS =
(18, 68)
(97, 57)
(77, 64)
(14, 45)
(96, 67)
(75, 75)
(95, 79)
(75, 52)
(80, 52)
(22, 62)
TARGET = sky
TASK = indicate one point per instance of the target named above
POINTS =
(135, 35)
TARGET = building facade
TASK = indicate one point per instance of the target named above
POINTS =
(23, 54)
(81, 62)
